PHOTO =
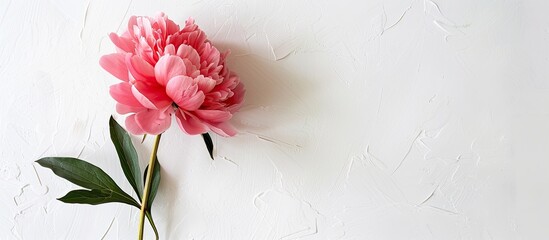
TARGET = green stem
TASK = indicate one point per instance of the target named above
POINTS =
(148, 181)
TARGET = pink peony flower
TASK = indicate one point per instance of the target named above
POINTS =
(169, 71)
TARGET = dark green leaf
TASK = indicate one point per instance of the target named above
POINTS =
(94, 197)
(127, 155)
(155, 182)
(149, 217)
(209, 143)
(86, 175)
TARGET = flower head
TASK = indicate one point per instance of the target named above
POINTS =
(165, 71)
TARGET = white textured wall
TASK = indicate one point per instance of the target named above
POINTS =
(371, 119)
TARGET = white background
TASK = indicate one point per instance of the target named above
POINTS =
(363, 120)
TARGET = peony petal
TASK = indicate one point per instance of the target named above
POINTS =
(213, 116)
(169, 50)
(205, 84)
(189, 123)
(152, 97)
(143, 99)
(224, 129)
(154, 121)
(122, 93)
(124, 44)
(145, 50)
(187, 52)
(132, 126)
(168, 67)
(184, 93)
(160, 21)
(140, 69)
(176, 87)
(125, 109)
(132, 25)
(171, 26)
(193, 102)
(146, 26)
(115, 65)
(235, 102)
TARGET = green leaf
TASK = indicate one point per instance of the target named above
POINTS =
(149, 217)
(86, 175)
(94, 197)
(127, 155)
(209, 143)
(155, 182)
